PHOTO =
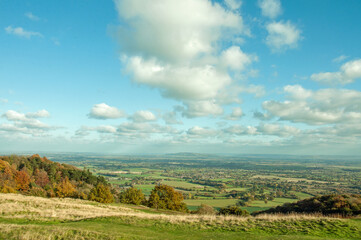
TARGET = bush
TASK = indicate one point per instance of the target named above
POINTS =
(205, 209)
(233, 210)
(101, 193)
(132, 196)
(37, 191)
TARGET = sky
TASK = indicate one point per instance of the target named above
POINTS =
(165, 76)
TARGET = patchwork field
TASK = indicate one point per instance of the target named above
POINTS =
(254, 183)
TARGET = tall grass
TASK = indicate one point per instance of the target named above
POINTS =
(37, 208)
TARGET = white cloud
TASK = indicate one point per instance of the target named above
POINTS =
(184, 60)
(19, 31)
(349, 72)
(297, 92)
(12, 115)
(3, 100)
(236, 114)
(180, 82)
(235, 59)
(270, 8)
(197, 131)
(234, 4)
(39, 114)
(104, 111)
(282, 36)
(200, 109)
(278, 130)
(325, 106)
(32, 16)
(177, 33)
(26, 123)
(143, 116)
(241, 130)
(84, 130)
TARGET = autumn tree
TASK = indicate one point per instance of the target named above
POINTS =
(22, 180)
(41, 178)
(165, 197)
(7, 182)
(101, 193)
(132, 196)
(65, 188)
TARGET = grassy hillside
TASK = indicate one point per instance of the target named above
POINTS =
(27, 217)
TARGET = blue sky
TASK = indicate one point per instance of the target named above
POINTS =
(138, 76)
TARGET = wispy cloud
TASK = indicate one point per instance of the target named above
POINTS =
(31, 16)
(20, 32)
(3, 100)
(340, 58)
(270, 8)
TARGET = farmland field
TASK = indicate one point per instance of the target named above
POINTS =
(255, 183)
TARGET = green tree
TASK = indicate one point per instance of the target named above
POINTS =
(132, 196)
(165, 197)
(101, 193)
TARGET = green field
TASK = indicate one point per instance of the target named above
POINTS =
(146, 188)
(131, 228)
(182, 184)
(275, 202)
(217, 203)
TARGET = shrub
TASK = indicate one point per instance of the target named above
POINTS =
(233, 210)
(101, 193)
(37, 191)
(132, 196)
(205, 209)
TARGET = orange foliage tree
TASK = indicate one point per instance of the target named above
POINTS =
(65, 188)
(22, 180)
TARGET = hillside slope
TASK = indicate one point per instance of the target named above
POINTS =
(38, 176)
(28, 217)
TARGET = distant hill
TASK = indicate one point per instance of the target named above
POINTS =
(38, 176)
(346, 205)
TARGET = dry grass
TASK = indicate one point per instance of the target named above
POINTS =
(37, 208)
(33, 232)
